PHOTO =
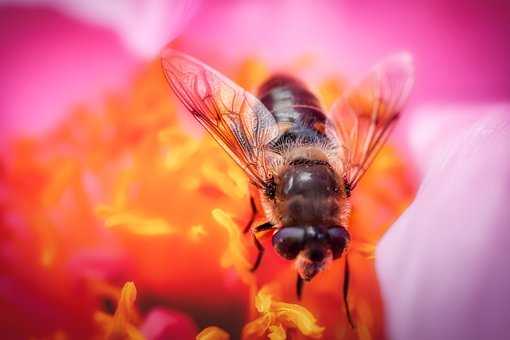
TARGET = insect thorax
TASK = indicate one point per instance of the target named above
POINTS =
(307, 191)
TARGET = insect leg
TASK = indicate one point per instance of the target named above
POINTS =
(346, 292)
(265, 226)
(260, 248)
(299, 286)
(253, 215)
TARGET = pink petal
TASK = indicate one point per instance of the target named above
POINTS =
(145, 26)
(461, 52)
(168, 324)
(431, 127)
(443, 266)
(50, 63)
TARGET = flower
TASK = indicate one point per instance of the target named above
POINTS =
(441, 265)
(116, 178)
(102, 180)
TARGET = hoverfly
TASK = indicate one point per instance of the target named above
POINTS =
(303, 163)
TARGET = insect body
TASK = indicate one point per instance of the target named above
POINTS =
(310, 201)
(303, 163)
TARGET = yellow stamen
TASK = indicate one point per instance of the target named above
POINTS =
(134, 223)
(277, 317)
(122, 324)
(181, 147)
(227, 182)
(235, 255)
(213, 333)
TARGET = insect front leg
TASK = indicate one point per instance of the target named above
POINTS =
(260, 247)
(299, 286)
(254, 212)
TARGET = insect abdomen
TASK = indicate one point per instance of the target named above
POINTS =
(294, 107)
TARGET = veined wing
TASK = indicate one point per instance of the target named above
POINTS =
(364, 117)
(236, 119)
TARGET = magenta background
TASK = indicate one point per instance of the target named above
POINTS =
(460, 48)
(50, 61)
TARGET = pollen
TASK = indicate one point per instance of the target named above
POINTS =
(277, 318)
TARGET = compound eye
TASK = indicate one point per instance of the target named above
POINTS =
(338, 238)
(289, 241)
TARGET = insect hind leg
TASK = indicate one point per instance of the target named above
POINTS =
(345, 292)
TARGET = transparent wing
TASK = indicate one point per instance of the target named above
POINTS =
(236, 119)
(364, 117)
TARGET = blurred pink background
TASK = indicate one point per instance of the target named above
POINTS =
(53, 56)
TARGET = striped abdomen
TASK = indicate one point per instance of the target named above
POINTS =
(295, 108)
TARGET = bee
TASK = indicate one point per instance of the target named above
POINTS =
(301, 163)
